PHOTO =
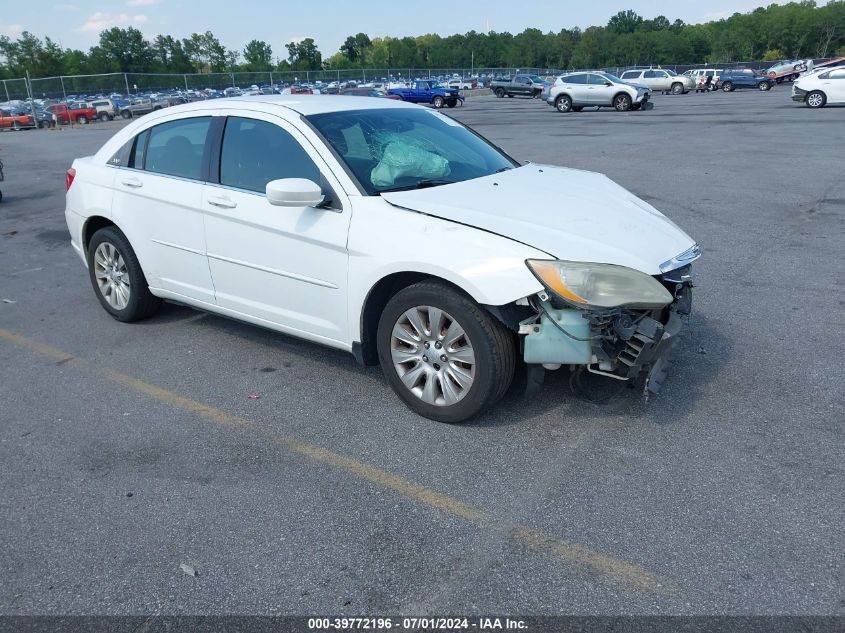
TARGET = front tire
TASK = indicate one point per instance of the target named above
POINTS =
(677, 89)
(500, 92)
(444, 355)
(622, 102)
(816, 99)
(117, 278)
(437, 102)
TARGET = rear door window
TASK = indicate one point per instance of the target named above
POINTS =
(176, 148)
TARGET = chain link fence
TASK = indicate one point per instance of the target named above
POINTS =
(66, 87)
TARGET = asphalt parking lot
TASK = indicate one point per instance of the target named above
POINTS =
(128, 450)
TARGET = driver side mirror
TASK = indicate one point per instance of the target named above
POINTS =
(294, 192)
(607, 82)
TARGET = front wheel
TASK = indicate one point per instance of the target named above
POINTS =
(117, 278)
(727, 86)
(563, 103)
(677, 89)
(437, 102)
(816, 99)
(622, 102)
(500, 92)
(444, 355)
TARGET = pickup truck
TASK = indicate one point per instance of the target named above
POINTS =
(525, 85)
(137, 107)
(423, 91)
(74, 112)
(15, 120)
(462, 84)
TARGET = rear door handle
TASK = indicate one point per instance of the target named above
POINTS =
(225, 203)
(132, 182)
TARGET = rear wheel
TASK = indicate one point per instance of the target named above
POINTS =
(104, 116)
(764, 86)
(82, 119)
(816, 99)
(444, 355)
(622, 102)
(677, 89)
(563, 103)
(727, 86)
(117, 278)
(126, 114)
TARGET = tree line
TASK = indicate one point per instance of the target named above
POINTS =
(794, 30)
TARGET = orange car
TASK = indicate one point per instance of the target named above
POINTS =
(15, 121)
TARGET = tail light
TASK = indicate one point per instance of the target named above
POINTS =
(71, 174)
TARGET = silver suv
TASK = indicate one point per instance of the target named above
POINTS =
(660, 80)
(574, 91)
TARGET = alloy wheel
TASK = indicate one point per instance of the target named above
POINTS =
(433, 356)
(112, 276)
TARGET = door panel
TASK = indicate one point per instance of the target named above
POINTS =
(284, 265)
(161, 213)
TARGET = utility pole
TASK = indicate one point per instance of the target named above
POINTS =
(6, 88)
(31, 98)
(64, 94)
(126, 81)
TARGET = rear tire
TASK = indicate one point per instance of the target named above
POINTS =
(727, 86)
(117, 278)
(82, 119)
(126, 114)
(816, 99)
(449, 390)
(765, 86)
(563, 103)
(104, 116)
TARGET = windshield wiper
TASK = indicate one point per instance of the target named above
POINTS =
(422, 184)
(501, 169)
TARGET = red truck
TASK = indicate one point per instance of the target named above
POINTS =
(75, 112)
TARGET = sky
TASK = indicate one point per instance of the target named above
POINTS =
(77, 23)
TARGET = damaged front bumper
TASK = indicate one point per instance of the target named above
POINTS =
(622, 344)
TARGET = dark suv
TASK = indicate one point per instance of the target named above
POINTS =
(733, 78)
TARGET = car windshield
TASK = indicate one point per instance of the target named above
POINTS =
(395, 149)
(434, 84)
(536, 79)
(672, 73)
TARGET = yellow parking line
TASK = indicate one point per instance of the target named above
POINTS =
(604, 564)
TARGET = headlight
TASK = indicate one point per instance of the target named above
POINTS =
(591, 285)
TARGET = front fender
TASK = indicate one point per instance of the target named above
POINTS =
(385, 240)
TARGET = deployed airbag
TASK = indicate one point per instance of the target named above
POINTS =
(402, 159)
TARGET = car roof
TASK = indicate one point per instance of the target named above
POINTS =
(301, 104)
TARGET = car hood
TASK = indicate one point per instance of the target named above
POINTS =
(568, 213)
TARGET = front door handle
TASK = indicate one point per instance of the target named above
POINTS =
(132, 182)
(225, 203)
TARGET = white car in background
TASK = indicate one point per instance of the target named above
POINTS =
(387, 230)
(819, 89)
(575, 91)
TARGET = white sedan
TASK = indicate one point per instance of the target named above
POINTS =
(820, 88)
(387, 230)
